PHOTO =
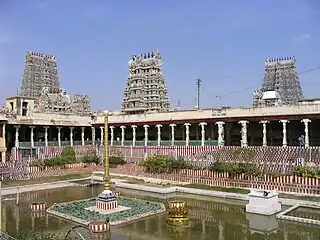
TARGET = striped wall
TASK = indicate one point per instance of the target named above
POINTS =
(275, 159)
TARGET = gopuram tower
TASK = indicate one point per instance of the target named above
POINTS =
(145, 88)
(281, 84)
(40, 72)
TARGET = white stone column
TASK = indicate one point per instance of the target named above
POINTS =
(264, 132)
(244, 135)
(172, 133)
(159, 126)
(306, 132)
(59, 136)
(203, 132)
(111, 135)
(187, 125)
(32, 135)
(146, 134)
(284, 132)
(46, 136)
(93, 135)
(134, 134)
(71, 136)
(123, 128)
(101, 135)
(220, 133)
(17, 136)
(82, 136)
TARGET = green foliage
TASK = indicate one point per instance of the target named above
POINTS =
(68, 155)
(91, 159)
(21, 235)
(306, 172)
(52, 162)
(163, 163)
(179, 163)
(79, 209)
(235, 168)
(116, 160)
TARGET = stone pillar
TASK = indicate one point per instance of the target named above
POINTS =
(71, 136)
(244, 135)
(159, 126)
(46, 136)
(17, 136)
(101, 135)
(32, 136)
(220, 133)
(82, 136)
(172, 133)
(111, 135)
(59, 136)
(134, 134)
(93, 135)
(203, 132)
(284, 132)
(187, 125)
(306, 132)
(146, 134)
(122, 134)
(264, 132)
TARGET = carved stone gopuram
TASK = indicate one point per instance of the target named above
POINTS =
(145, 89)
(281, 84)
(40, 71)
(41, 82)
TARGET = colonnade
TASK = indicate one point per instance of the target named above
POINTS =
(17, 127)
(221, 142)
(220, 124)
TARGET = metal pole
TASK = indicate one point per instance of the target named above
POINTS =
(198, 92)
(107, 185)
(1, 206)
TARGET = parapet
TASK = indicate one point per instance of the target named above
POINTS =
(149, 55)
(272, 61)
(41, 55)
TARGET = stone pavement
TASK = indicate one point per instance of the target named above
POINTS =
(38, 187)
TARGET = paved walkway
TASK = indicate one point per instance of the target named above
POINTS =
(39, 187)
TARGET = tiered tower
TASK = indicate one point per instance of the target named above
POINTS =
(40, 71)
(281, 84)
(145, 89)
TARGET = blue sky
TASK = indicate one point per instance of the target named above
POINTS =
(224, 43)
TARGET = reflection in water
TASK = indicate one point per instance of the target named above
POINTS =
(208, 219)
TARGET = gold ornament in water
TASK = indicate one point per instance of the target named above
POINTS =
(178, 214)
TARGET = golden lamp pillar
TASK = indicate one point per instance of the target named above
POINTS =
(107, 200)
(107, 185)
(178, 214)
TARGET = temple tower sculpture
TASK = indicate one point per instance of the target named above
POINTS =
(40, 72)
(281, 84)
(145, 88)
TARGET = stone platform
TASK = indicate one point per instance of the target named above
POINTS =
(85, 211)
